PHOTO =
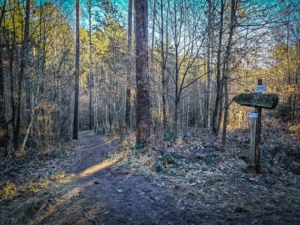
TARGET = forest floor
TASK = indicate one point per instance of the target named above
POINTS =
(187, 180)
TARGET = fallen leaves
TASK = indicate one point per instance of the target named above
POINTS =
(217, 179)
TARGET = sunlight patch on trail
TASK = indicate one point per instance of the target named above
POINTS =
(100, 166)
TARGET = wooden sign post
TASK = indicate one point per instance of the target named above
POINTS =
(254, 160)
(257, 137)
(257, 101)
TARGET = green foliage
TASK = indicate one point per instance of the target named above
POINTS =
(210, 159)
(172, 173)
(159, 167)
(245, 169)
(168, 158)
(140, 144)
(170, 135)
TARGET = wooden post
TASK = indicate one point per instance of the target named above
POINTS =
(257, 101)
(257, 158)
(253, 140)
(259, 82)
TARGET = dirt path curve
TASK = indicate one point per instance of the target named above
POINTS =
(103, 195)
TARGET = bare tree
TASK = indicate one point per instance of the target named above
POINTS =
(164, 60)
(227, 66)
(91, 107)
(209, 59)
(142, 79)
(185, 20)
(215, 119)
(128, 80)
(76, 103)
(3, 124)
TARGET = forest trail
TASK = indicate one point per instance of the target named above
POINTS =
(105, 195)
(95, 180)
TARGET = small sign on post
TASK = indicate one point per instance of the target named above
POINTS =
(260, 89)
(252, 115)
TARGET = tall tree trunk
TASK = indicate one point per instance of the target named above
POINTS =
(215, 118)
(91, 84)
(175, 124)
(227, 68)
(209, 73)
(3, 124)
(154, 103)
(25, 62)
(76, 103)
(163, 67)
(12, 98)
(142, 79)
(128, 78)
(23, 65)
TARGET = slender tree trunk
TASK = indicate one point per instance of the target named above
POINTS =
(175, 125)
(209, 73)
(3, 124)
(215, 118)
(227, 69)
(142, 79)
(76, 103)
(176, 99)
(13, 99)
(25, 63)
(128, 78)
(154, 103)
(163, 68)
(91, 83)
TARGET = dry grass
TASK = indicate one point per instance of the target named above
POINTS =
(31, 186)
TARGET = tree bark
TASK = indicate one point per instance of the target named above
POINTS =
(227, 68)
(209, 72)
(154, 102)
(164, 55)
(214, 121)
(91, 83)
(142, 79)
(25, 63)
(128, 78)
(3, 124)
(76, 103)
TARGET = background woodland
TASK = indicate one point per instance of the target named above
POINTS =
(200, 55)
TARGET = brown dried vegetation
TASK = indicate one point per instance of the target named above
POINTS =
(185, 180)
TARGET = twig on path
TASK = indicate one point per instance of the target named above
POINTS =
(142, 194)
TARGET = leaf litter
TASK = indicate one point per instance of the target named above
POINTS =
(203, 177)
(218, 180)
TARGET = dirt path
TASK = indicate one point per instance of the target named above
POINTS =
(103, 195)
(87, 183)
